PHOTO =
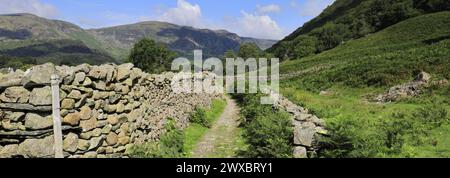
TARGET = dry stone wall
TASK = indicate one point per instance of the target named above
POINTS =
(308, 128)
(105, 109)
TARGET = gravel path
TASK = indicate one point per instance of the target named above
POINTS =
(220, 140)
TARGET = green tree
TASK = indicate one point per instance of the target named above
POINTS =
(330, 35)
(230, 54)
(151, 56)
(304, 46)
(249, 50)
(283, 50)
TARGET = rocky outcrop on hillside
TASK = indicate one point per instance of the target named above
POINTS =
(105, 109)
(407, 90)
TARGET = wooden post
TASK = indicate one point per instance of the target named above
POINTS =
(58, 146)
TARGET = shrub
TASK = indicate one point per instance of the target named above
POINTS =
(268, 132)
(269, 136)
(170, 145)
(199, 117)
(382, 138)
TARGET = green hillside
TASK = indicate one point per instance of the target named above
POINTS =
(26, 37)
(338, 85)
(345, 20)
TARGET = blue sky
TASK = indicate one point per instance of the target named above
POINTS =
(272, 19)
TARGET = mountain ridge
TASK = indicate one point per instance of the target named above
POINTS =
(28, 32)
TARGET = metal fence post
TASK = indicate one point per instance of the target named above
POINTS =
(58, 146)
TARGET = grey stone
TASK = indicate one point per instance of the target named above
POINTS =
(88, 125)
(79, 78)
(9, 150)
(81, 102)
(110, 108)
(82, 68)
(302, 117)
(74, 94)
(8, 125)
(124, 71)
(86, 135)
(71, 143)
(423, 77)
(11, 79)
(66, 73)
(300, 152)
(97, 132)
(41, 96)
(25, 107)
(85, 113)
(68, 104)
(72, 119)
(112, 119)
(91, 154)
(100, 85)
(304, 134)
(120, 149)
(96, 142)
(120, 108)
(37, 148)
(111, 73)
(106, 129)
(129, 82)
(136, 73)
(83, 145)
(15, 95)
(123, 140)
(101, 150)
(37, 122)
(62, 95)
(39, 75)
(87, 82)
(113, 99)
(100, 95)
(101, 124)
(14, 116)
(111, 139)
(109, 150)
(99, 104)
(97, 72)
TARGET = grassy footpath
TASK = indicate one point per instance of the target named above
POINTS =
(195, 131)
(176, 143)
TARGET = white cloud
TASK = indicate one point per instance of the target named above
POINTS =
(293, 3)
(184, 14)
(259, 26)
(313, 7)
(271, 8)
(28, 6)
(248, 24)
